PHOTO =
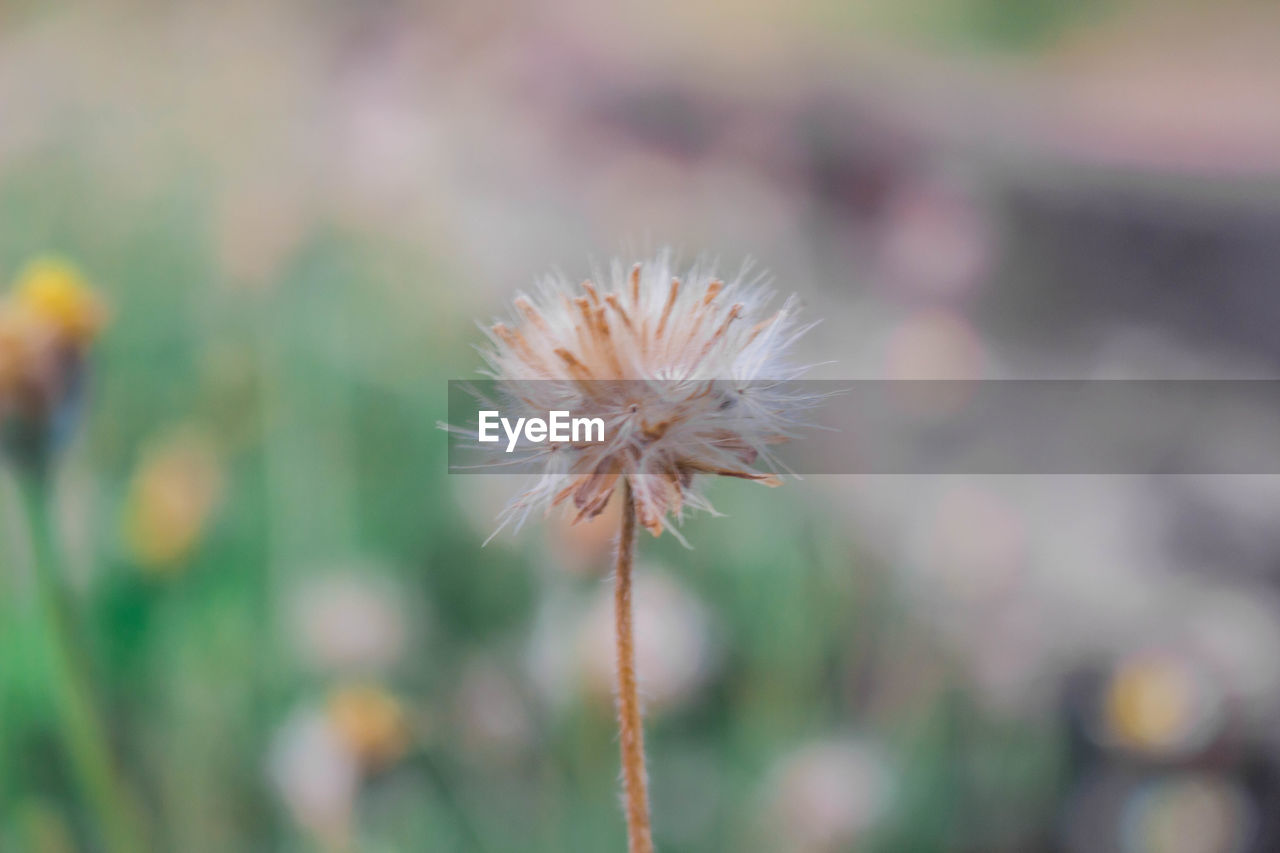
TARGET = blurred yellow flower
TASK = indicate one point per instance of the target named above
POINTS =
(1158, 703)
(371, 723)
(46, 325)
(174, 492)
(55, 292)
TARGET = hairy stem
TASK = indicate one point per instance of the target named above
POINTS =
(83, 732)
(630, 722)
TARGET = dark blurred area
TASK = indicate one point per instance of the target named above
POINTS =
(297, 212)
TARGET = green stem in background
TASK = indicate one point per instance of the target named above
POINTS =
(85, 736)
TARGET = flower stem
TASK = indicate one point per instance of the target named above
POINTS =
(83, 731)
(630, 722)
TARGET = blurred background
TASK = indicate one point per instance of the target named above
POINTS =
(297, 212)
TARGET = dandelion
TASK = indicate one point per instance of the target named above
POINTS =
(672, 365)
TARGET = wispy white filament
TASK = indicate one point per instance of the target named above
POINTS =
(688, 372)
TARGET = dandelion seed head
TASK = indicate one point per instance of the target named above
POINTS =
(671, 361)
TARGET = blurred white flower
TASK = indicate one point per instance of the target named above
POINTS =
(675, 653)
(571, 652)
(315, 774)
(972, 544)
(1236, 634)
(825, 796)
(968, 548)
(937, 242)
(935, 345)
(1161, 703)
(491, 713)
(348, 622)
(1189, 813)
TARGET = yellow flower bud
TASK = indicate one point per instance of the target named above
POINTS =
(56, 292)
(172, 499)
(372, 724)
